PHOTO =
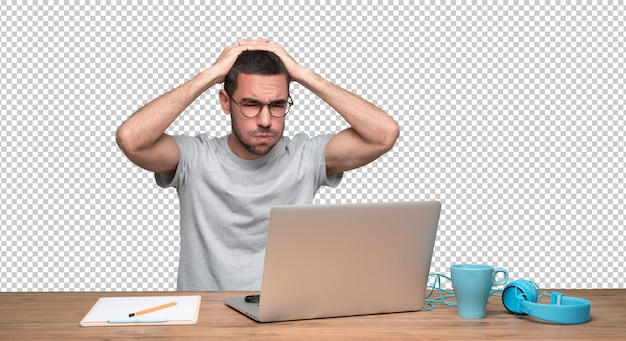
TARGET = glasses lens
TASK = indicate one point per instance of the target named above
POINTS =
(250, 109)
(279, 109)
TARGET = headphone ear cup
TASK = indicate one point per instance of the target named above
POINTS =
(517, 292)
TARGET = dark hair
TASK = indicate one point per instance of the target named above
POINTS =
(254, 62)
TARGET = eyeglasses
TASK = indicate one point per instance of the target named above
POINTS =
(252, 108)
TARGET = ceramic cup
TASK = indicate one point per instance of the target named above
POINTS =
(472, 285)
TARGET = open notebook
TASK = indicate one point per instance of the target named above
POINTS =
(158, 310)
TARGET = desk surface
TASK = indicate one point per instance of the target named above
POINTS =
(56, 316)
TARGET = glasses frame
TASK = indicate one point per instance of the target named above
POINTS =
(289, 101)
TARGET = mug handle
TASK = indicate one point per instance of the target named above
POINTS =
(504, 280)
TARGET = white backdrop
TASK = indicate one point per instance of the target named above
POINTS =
(511, 115)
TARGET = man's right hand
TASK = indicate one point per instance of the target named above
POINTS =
(229, 55)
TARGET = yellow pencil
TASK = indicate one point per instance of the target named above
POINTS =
(149, 310)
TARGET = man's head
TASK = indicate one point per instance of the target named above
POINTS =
(257, 79)
(255, 62)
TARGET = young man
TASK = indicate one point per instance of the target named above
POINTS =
(227, 185)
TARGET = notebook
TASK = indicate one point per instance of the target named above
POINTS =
(149, 310)
(343, 260)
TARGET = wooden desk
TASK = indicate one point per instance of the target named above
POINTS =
(55, 316)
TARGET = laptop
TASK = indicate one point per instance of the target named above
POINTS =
(344, 260)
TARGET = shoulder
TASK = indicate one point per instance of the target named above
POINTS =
(200, 138)
(199, 141)
(305, 147)
(305, 141)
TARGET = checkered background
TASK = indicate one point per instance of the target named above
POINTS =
(511, 115)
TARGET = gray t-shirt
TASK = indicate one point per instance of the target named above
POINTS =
(225, 203)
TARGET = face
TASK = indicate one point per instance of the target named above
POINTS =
(251, 138)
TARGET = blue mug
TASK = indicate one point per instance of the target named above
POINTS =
(472, 285)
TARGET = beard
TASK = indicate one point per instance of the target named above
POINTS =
(257, 149)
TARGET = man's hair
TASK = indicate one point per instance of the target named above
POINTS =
(254, 62)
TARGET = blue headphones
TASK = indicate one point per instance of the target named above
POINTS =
(521, 297)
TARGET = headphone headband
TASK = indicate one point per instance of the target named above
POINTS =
(520, 297)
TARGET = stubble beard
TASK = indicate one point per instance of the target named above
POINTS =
(260, 149)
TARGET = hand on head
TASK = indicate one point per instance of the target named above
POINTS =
(230, 53)
(250, 42)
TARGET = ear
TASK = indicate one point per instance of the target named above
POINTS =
(225, 102)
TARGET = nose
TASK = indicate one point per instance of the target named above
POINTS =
(264, 119)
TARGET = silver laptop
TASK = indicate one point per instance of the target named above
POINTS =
(343, 260)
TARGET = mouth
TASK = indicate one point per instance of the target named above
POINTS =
(264, 136)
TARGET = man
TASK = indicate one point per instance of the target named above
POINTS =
(226, 186)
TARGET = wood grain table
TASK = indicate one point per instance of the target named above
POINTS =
(55, 316)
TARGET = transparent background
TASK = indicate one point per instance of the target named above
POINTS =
(511, 115)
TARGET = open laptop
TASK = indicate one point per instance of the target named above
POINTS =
(343, 260)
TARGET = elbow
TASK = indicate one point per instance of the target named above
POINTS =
(392, 133)
(388, 135)
(395, 132)
(124, 139)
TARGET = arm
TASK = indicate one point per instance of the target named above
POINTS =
(142, 137)
(372, 132)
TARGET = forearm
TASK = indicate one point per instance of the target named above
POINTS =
(372, 124)
(148, 124)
